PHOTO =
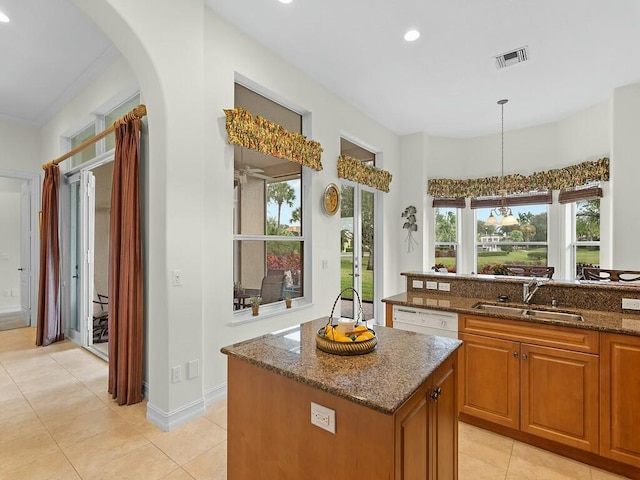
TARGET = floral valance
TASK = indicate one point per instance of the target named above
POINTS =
(353, 169)
(269, 138)
(557, 179)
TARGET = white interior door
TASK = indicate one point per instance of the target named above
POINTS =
(25, 252)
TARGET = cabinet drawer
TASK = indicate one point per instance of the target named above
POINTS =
(576, 339)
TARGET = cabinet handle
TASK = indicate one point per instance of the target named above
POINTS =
(524, 356)
(435, 394)
(515, 354)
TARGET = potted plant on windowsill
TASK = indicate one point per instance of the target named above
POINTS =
(287, 300)
(255, 305)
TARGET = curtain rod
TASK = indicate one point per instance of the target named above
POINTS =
(138, 112)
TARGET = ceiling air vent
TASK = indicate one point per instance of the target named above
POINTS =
(512, 57)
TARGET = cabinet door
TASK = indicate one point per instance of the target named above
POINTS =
(489, 385)
(444, 422)
(560, 396)
(412, 437)
(619, 394)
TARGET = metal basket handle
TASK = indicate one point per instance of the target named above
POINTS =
(359, 317)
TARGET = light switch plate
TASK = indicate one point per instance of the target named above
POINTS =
(418, 284)
(432, 285)
(444, 287)
(193, 369)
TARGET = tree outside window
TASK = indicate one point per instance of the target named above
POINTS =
(446, 238)
(586, 235)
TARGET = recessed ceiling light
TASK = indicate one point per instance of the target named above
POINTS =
(285, 1)
(411, 35)
(3, 18)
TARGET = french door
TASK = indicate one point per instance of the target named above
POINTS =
(357, 255)
(87, 209)
(90, 197)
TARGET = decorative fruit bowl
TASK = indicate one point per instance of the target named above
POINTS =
(348, 337)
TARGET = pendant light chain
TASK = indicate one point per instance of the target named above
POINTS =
(502, 153)
(501, 103)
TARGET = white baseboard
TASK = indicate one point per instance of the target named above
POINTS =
(167, 421)
(215, 394)
(10, 309)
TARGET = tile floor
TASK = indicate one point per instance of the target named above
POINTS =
(57, 421)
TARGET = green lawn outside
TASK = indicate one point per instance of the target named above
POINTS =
(520, 257)
(346, 280)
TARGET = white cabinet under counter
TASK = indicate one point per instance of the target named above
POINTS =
(427, 321)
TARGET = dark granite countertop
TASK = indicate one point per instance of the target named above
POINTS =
(381, 380)
(613, 322)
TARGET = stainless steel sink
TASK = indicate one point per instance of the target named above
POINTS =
(547, 315)
(500, 309)
(528, 312)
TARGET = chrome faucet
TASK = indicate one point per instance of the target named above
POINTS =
(530, 289)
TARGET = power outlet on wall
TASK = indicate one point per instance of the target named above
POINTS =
(323, 417)
(631, 304)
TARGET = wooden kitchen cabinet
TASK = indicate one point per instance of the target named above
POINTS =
(619, 394)
(490, 379)
(444, 422)
(426, 429)
(559, 396)
(513, 374)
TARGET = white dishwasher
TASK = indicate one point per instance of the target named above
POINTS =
(422, 320)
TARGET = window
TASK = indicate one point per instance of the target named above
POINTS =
(268, 246)
(585, 244)
(113, 115)
(101, 122)
(446, 237)
(77, 140)
(522, 244)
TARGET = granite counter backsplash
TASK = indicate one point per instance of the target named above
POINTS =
(382, 380)
(606, 297)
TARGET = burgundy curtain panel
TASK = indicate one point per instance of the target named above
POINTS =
(126, 326)
(49, 322)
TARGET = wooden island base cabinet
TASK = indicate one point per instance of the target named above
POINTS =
(573, 391)
(270, 435)
(620, 398)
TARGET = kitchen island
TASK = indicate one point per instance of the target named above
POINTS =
(395, 408)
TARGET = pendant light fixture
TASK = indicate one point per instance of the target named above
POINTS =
(507, 218)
